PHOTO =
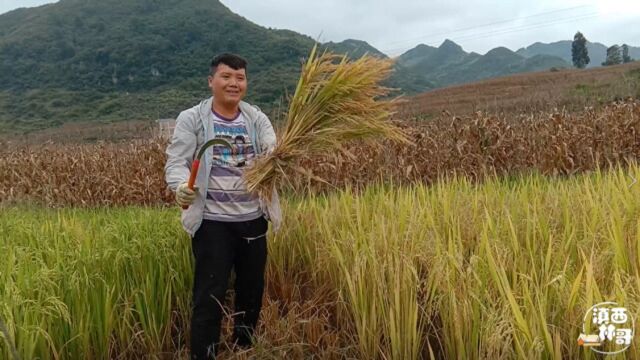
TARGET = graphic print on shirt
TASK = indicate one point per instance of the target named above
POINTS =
(227, 196)
(241, 149)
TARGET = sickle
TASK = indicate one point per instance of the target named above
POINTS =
(196, 162)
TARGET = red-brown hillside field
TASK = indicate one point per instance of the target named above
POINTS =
(530, 92)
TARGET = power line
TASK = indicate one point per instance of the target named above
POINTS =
(526, 27)
(511, 29)
(488, 24)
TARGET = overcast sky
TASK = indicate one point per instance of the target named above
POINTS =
(394, 26)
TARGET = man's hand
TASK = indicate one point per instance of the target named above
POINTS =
(184, 195)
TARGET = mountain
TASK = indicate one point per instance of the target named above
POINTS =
(353, 48)
(562, 49)
(131, 59)
(142, 59)
(449, 64)
(414, 56)
(403, 78)
(110, 60)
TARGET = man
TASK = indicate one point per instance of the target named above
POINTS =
(227, 224)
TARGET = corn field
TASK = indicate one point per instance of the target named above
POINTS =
(86, 174)
(557, 143)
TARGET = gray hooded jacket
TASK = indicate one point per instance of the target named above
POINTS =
(193, 129)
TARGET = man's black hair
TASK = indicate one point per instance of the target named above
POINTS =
(231, 60)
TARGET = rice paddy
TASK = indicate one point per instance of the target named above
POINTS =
(501, 269)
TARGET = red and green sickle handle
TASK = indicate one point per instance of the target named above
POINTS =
(196, 162)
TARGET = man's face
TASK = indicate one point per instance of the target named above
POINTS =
(228, 85)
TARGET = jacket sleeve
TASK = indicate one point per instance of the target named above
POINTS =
(180, 151)
(267, 134)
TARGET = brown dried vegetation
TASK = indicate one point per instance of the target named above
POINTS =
(552, 143)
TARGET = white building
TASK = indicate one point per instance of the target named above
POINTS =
(165, 127)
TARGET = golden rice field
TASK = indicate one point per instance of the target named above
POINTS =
(501, 269)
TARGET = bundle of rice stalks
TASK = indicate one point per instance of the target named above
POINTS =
(336, 101)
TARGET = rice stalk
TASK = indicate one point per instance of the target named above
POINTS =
(336, 101)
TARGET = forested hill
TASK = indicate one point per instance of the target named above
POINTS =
(129, 59)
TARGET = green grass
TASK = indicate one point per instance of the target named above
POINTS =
(82, 283)
(503, 269)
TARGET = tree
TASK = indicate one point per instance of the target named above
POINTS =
(625, 54)
(579, 52)
(613, 56)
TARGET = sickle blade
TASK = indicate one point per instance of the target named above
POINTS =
(212, 142)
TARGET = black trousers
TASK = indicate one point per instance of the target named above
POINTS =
(218, 247)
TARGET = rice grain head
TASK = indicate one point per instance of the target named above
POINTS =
(336, 101)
